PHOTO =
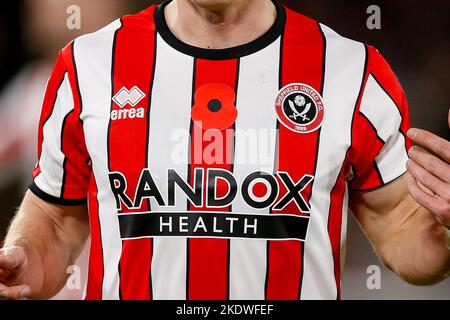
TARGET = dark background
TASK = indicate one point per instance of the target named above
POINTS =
(413, 38)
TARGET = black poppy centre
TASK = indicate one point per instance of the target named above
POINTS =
(214, 105)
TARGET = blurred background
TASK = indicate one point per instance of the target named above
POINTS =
(414, 38)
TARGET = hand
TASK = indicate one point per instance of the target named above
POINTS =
(13, 261)
(429, 166)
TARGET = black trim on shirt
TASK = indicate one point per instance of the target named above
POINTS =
(220, 54)
(374, 129)
(375, 165)
(55, 200)
(61, 147)
(189, 168)
(385, 183)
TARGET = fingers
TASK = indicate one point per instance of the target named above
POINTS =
(11, 258)
(432, 171)
(15, 292)
(430, 163)
(428, 180)
(426, 139)
(437, 205)
(4, 274)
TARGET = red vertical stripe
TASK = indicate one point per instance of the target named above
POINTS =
(76, 172)
(335, 222)
(48, 105)
(96, 271)
(302, 56)
(208, 258)
(128, 140)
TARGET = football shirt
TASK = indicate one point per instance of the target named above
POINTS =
(218, 174)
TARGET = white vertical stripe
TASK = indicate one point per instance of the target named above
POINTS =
(382, 112)
(343, 75)
(254, 151)
(170, 116)
(393, 157)
(379, 108)
(344, 221)
(93, 56)
(52, 158)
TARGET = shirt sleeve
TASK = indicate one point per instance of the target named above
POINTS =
(62, 172)
(380, 142)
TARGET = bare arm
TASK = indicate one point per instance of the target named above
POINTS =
(407, 220)
(43, 240)
(406, 236)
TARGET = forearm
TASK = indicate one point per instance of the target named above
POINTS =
(47, 244)
(417, 250)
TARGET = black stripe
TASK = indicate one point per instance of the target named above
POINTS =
(309, 201)
(78, 91)
(236, 85)
(188, 244)
(338, 291)
(49, 116)
(366, 65)
(355, 173)
(352, 125)
(147, 145)
(387, 93)
(52, 199)
(358, 100)
(324, 58)
(63, 182)
(191, 125)
(77, 84)
(373, 127)
(377, 170)
(275, 166)
(113, 63)
(378, 187)
(360, 94)
(54, 102)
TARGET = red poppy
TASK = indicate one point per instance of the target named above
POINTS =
(214, 106)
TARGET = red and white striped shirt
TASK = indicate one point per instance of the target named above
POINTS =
(218, 174)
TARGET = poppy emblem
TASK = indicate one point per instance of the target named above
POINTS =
(214, 106)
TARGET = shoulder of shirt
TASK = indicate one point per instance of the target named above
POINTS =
(329, 33)
(141, 20)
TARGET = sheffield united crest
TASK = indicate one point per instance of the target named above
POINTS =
(300, 108)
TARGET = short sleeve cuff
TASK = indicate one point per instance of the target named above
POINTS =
(377, 186)
(55, 200)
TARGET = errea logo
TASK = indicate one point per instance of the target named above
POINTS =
(129, 98)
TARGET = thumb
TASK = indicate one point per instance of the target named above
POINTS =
(11, 257)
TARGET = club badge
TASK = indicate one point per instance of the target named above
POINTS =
(300, 108)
